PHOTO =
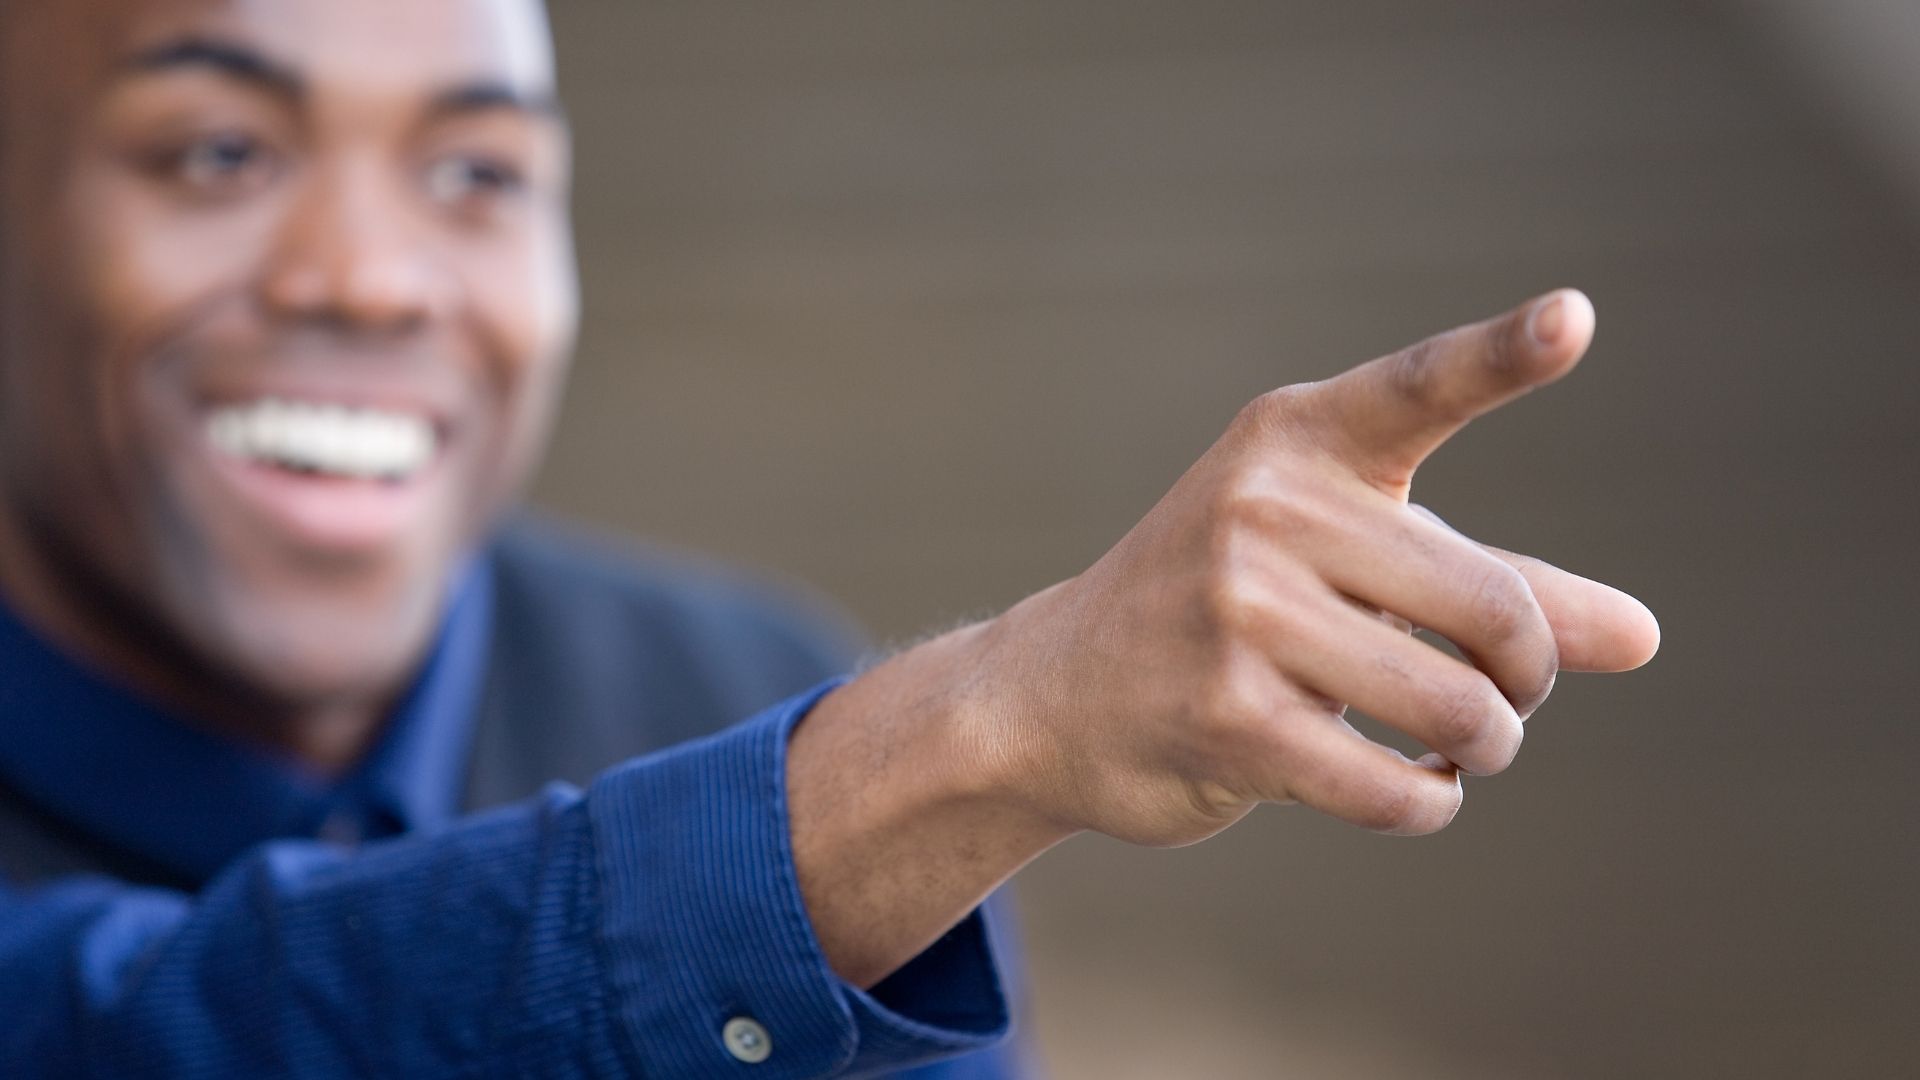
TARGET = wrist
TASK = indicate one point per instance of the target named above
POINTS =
(942, 724)
(903, 809)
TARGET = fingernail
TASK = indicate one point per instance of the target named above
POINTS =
(1549, 318)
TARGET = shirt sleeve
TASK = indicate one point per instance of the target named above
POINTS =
(651, 925)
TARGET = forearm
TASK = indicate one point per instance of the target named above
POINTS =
(902, 819)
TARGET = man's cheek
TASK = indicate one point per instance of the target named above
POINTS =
(527, 323)
(162, 270)
(161, 241)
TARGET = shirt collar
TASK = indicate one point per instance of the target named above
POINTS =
(139, 779)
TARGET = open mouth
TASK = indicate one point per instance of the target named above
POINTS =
(324, 439)
(330, 476)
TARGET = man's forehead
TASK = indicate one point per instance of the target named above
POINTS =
(373, 44)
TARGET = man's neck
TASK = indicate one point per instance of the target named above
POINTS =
(83, 618)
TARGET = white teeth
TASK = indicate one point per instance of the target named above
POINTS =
(361, 443)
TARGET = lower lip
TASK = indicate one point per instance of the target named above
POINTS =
(327, 512)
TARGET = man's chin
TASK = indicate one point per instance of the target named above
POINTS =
(298, 629)
(321, 668)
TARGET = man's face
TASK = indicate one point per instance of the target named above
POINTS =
(286, 292)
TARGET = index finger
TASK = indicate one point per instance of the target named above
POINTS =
(1385, 416)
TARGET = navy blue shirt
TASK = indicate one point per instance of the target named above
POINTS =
(362, 926)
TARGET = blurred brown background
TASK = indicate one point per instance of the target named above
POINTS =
(926, 302)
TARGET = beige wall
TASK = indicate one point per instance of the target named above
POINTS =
(925, 302)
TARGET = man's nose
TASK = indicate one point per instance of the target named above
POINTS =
(354, 252)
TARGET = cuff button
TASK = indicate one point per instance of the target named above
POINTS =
(746, 1040)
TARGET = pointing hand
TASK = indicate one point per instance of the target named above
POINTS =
(1204, 664)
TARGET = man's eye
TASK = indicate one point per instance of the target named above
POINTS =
(220, 161)
(463, 179)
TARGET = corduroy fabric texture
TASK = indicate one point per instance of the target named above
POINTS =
(610, 933)
(733, 940)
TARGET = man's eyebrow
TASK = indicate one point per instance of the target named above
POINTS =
(485, 94)
(234, 60)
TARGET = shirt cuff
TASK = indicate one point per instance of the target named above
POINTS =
(710, 954)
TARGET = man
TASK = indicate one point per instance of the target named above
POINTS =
(285, 300)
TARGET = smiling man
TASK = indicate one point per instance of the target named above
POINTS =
(286, 298)
(289, 299)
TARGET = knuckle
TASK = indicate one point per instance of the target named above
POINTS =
(1500, 605)
(1240, 744)
(1494, 755)
(1249, 731)
(1274, 412)
(1290, 418)
(1216, 803)
(1253, 417)
(1474, 726)
(1440, 815)
(1271, 501)
(1533, 695)
(1263, 750)
(1508, 749)
(1390, 808)
(1248, 497)
(1463, 714)
(1283, 402)
(1233, 706)
(1419, 808)
(1233, 606)
(1410, 375)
